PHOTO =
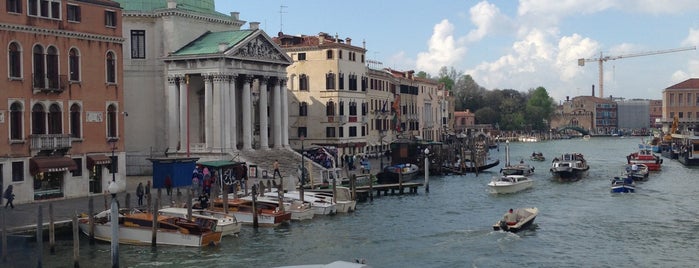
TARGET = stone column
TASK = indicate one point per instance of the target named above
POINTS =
(232, 128)
(208, 112)
(184, 88)
(277, 114)
(247, 113)
(218, 112)
(285, 114)
(172, 114)
(264, 85)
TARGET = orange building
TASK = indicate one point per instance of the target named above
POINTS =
(60, 119)
(463, 120)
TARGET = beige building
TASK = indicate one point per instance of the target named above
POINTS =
(381, 96)
(682, 100)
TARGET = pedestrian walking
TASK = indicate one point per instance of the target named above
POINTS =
(9, 196)
(139, 193)
(275, 166)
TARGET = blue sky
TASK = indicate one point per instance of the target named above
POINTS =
(507, 44)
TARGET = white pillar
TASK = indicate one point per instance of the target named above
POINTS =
(232, 128)
(218, 112)
(173, 114)
(277, 113)
(183, 112)
(208, 112)
(247, 113)
(264, 85)
(285, 115)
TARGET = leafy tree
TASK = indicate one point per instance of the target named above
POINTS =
(486, 115)
(540, 107)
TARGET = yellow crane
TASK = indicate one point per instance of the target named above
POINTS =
(602, 59)
(673, 129)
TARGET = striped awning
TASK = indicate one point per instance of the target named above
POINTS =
(51, 164)
(98, 159)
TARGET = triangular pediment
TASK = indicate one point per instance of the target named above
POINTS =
(259, 47)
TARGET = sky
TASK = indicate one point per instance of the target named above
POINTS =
(508, 44)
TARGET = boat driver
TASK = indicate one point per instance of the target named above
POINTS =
(510, 217)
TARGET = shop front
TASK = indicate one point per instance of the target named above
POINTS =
(95, 166)
(49, 173)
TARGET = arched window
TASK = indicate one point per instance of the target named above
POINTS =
(303, 109)
(111, 67)
(342, 108)
(303, 82)
(330, 108)
(112, 121)
(15, 60)
(16, 121)
(38, 119)
(74, 64)
(352, 108)
(330, 81)
(75, 126)
(52, 67)
(55, 119)
(39, 74)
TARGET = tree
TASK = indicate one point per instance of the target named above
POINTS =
(540, 107)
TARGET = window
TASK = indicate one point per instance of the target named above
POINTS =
(352, 131)
(52, 67)
(330, 132)
(330, 108)
(14, 6)
(75, 122)
(365, 81)
(362, 58)
(303, 82)
(364, 108)
(17, 171)
(302, 132)
(55, 119)
(15, 60)
(78, 171)
(341, 132)
(342, 108)
(112, 121)
(110, 18)
(329, 54)
(39, 72)
(45, 8)
(330, 81)
(138, 44)
(38, 119)
(352, 108)
(32, 6)
(303, 109)
(73, 13)
(16, 122)
(111, 68)
(302, 56)
(341, 81)
(74, 64)
(339, 54)
(363, 131)
(353, 82)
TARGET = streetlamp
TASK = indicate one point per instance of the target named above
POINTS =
(114, 213)
(427, 170)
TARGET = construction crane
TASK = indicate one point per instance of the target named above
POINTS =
(602, 59)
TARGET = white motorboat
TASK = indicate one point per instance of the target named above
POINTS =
(268, 214)
(299, 210)
(135, 228)
(227, 224)
(509, 184)
(569, 166)
(517, 169)
(524, 218)
(342, 199)
(320, 206)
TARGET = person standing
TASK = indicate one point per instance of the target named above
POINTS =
(275, 166)
(9, 196)
(139, 193)
(168, 185)
(147, 192)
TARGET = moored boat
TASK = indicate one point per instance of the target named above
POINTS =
(394, 174)
(320, 206)
(509, 184)
(517, 219)
(342, 199)
(646, 157)
(135, 228)
(623, 185)
(569, 166)
(217, 221)
(268, 215)
(537, 156)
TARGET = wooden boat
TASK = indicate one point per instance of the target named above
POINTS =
(646, 157)
(395, 173)
(623, 185)
(524, 218)
(638, 172)
(509, 184)
(299, 210)
(217, 221)
(268, 215)
(569, 166)
(135, 228)
(343, 199)
(320, 206)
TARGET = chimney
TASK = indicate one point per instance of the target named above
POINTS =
(593, 90)
(222, 47)
(348, 41)
(254, 25)
(171, 4)
(235, 15)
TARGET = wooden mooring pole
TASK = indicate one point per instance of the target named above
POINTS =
(52, 231)
(91, 218)
(76, 241)
(39, 237)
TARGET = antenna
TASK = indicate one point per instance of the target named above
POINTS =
(281, 17)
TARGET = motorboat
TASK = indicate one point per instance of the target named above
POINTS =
(136, 228)
(227, 224)
(509, 184)
(537, 156)
(638, 172)
(517, 169)
(299, 210)
(623, 185)
(320, 206)
(527, 139)
(268, 214)
(569, 166)
(646, 157)
(342, 198)
(395, 173)
(524, 218)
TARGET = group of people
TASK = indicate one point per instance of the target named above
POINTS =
(142, 191)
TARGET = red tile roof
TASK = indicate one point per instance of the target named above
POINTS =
(686, 84)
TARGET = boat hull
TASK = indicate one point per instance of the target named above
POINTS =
(525, 219)
(511, 188)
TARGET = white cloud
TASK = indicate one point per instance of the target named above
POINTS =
(488, 19)
(570, 49)
(443, 49)
(692, 38)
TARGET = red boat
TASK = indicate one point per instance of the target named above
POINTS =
(646, 157)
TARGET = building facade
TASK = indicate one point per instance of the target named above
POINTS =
(682, 100)
(634, 115)
(463, 120)
(62, 118)
(655, 113)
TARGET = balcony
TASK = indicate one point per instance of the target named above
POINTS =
(49, 83)
(44, 142)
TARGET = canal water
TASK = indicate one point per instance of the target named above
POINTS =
(580, 224)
